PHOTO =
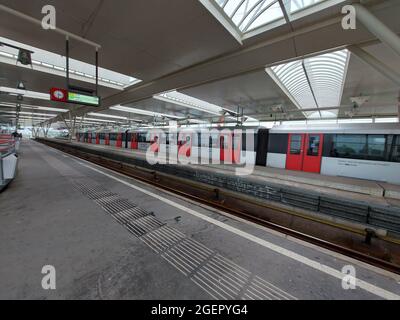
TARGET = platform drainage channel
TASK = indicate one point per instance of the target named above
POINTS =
(218, 276)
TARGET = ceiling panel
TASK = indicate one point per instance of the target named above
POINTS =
(127, 31)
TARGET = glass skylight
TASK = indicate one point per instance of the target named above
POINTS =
(143, 112)
(53, 63)
(315, 82)
(197, 104)
(26, 93)
(103, 115)
(246, 18)
(95, 120)
(297, 5)
(251, 14)
(189, 102)
(30, 107)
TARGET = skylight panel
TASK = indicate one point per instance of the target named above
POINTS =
(189, 102)
(30, 107)
(103, 115)
(96, 120)
(315, 82)
(26, 93)
(143, 112)
(247, 18)
(250, 14)
(297, 5)
(55, 64)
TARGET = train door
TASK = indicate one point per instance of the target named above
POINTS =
(313, 153)
(262, 147)
(134, 141)
(89, 137)
(304, 152)
(237, 148)
(295, 152)
(97, 138)
(107, 139)
(225, 148)
(185, 146)
(119, 140)
(222, 148)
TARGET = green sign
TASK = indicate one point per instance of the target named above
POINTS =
(83, 99)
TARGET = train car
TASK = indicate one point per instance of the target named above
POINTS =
(365, 151)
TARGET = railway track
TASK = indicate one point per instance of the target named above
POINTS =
(353, 243)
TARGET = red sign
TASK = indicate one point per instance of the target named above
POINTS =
(60, 95)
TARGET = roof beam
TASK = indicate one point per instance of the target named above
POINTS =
(379, 66)
(39, 23)
(377, 28)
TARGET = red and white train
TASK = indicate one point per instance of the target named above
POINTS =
(366, 151)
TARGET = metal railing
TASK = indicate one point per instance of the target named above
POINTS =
(7, 147)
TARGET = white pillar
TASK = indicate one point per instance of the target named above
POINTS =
(377, 28)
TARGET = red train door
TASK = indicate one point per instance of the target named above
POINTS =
(119, 140)
(295, 152)
(97, 138)
(305, 152)
(107, 139)
(185, 147)
(237, 148)
(226, 148)
(134, 141)
(313, 153)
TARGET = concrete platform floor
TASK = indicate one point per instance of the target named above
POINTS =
(48, 216)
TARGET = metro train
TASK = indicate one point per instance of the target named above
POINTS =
(365, 151)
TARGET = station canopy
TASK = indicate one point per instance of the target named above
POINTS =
(224, 62)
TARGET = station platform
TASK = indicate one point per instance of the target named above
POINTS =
(111, 237)
(354, 189)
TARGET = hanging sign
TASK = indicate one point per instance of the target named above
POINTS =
(62, 95)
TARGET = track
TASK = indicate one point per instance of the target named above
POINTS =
(347, 242)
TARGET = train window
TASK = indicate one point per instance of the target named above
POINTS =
(396, 149)
(376, 147)
(349, 146)
(214, 140)
(313, 145)
(295, 144)
(278, 143)
(141, 137)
